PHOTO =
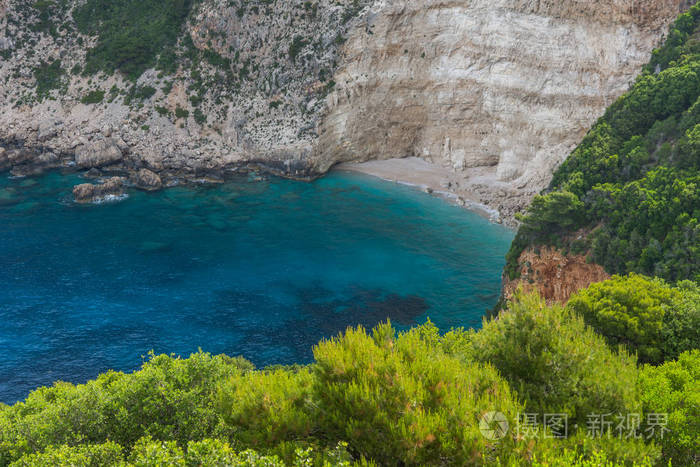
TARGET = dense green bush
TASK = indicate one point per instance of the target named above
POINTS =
(169, 399)
(269, 408)
(673, 390)
(651, 226)
(200, 117)
(93, 97)
(181, 113)
(677, 43)
(49, 76)
(648, 316)
(89, 455)
(555, 362)
(404, 401)
(150, 453)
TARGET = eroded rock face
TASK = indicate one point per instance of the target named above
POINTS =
(499, 90)
(554, 275)
(112, 188)
(98, 153)
(258, 101)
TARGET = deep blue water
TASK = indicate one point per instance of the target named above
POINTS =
(259, 269)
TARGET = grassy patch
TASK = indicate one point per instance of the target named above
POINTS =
(94, 97)
(49, 76)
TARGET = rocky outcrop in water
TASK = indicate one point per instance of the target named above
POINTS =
(98, 154)
(112, 188)
(498, 91)
(147, 180)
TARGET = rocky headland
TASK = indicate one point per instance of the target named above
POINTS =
(495, 93)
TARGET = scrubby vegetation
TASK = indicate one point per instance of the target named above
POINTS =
(414, 398)
(556, 363)
(631, 190)
(648, 316)
(93, 97)
(131, 34)
(49, 76)
(629, 199)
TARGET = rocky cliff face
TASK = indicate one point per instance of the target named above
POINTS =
(554, 275)
(254, 94)
(499, 91)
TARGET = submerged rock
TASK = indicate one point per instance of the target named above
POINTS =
(12, 157)
(98, 153)
(93, 173)
(90, 193)
(37, 165)
(8, 197)
(147, 180)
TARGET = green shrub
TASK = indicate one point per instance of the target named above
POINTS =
(93, 97)
(49, 76)
(139, 93)
(648, 316)
(147, 453)
(181, 113)
(404, 401)
(582, 450)
(218, 453)
(673, 390)
(268, 408)
(200, 117)
(557, 364)
(90, 455)
(169, 399)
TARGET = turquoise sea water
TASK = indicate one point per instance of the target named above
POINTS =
(259, 269)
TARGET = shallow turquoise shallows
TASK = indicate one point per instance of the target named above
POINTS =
(259, 269)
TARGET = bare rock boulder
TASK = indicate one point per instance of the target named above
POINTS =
(14, 157)
(147, 180)
(91, 193)
(48, 129)
(98, 153)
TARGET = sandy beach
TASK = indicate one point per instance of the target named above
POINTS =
(431, 178)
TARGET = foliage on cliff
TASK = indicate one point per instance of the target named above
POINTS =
(629, 195)
(131, 34)
(413, 398)
(648, 316)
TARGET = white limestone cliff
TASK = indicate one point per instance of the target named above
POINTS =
(499, 91)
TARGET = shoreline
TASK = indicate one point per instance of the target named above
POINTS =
(430, 178)
(477, 190)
